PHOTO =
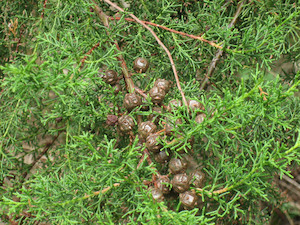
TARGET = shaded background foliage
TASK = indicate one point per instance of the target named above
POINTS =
(242, 144)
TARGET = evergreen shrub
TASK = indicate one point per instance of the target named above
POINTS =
(65, 157)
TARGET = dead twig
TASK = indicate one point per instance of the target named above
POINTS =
(287, 215)
(160, 43)
(146, 155)
(218, 56)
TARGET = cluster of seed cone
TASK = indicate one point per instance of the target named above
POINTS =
(180, 179)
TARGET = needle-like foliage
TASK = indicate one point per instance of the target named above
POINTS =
(61, 162)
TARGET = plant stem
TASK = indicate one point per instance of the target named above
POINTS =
(218, 56)
(173, 31)
(128, 80)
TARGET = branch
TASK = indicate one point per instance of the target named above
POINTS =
(126, 74)
(141, 92)
(88, 53)
(218, 56)
(173, 31)
(102, 191)
(236, 184)
(43, 11)
(294, 184)
(221, 191)
(104, 19)
(160, 43)
(40, 156)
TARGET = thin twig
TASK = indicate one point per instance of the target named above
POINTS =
(44, 6)
(126, 74)
(218, 56)
(287, 215)
(295, 205)
(127, 78)
(291, 181)
(86, 196)
(263, 93)
(88, 53)
(104, 190)
(40, 155)
(146, 155)
(160, 43)
(221, 191)
(293, 185)
(173, 31)
(140, 92)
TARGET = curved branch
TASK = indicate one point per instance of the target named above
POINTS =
(173, 31)
(218, 56)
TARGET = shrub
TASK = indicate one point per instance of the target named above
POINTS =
(71, 153)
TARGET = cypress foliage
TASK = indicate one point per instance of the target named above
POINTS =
(64, 158)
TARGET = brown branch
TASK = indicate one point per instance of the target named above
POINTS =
(102, 191)
(126, 74)
(218, 56)
(88, 53)
(44, 6)
(40, 155)
(160, 43)
(140, 92)
(173, 31)
(146, 155)
(127, 78)
(221, 191)
(263, 93)
(293, 186)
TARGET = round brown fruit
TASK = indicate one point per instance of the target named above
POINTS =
(162, 156)
(110, 77)
(152, 144)
(163, 184)
(153, 116)
(140, 65)
(157, 194)
(200, 118)
(188, 199)
(177, 166)
(111, 120)
(125, 123)
(117, 88)
(169, 127)
(146, 128)
(195, 105)
(157, 95)
(163, 84)
(132, 100)
(197, 178)
(58, 119)
(180, 182)
(174, 104)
